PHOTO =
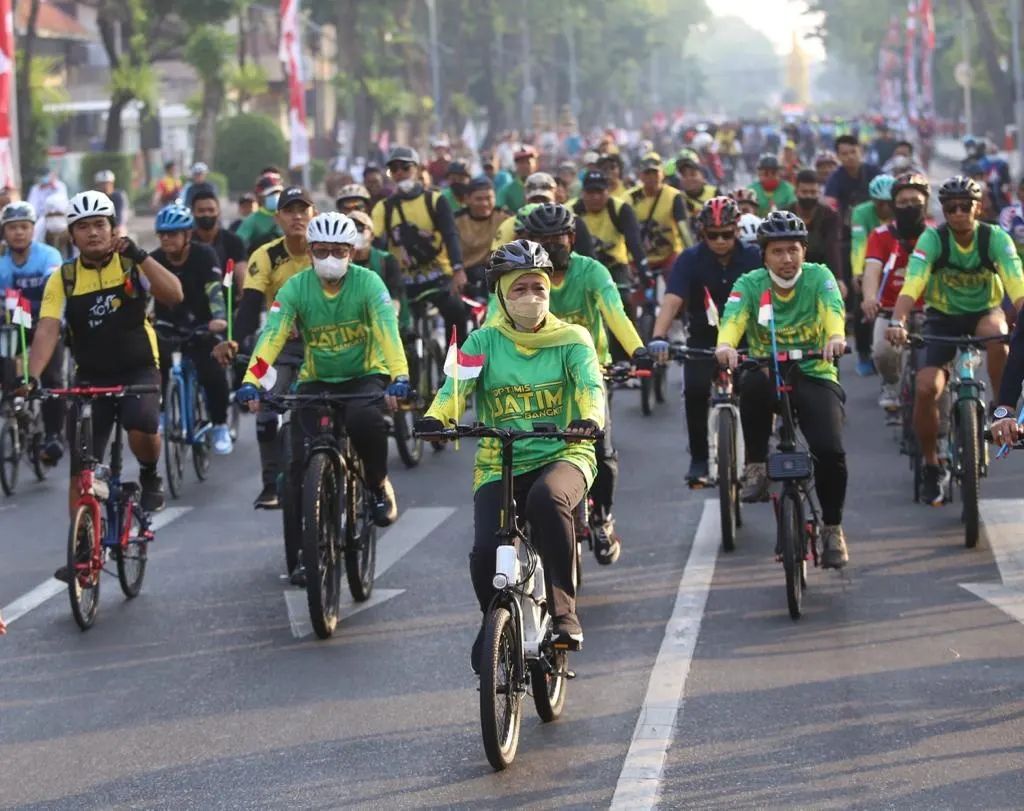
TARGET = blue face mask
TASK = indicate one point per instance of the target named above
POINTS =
(270, 201)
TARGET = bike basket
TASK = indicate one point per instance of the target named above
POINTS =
(789, 466)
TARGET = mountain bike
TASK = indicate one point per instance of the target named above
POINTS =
(652, 387)
(333, 507)
(108, 522)
(425, 355)
(518, 653)
(21, 424)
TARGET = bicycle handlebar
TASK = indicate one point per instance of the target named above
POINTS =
(169, 331)
(541, 430)
(622, 371)
(918, 341)
(93, 392)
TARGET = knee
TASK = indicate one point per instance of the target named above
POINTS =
(929, 384)
(544, 500)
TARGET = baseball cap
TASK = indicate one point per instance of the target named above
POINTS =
(294, 194)
(457, 168)
(594, 180)
(652, 160)
(480, 183)
(590, 157)
(525, 151)
(361, 217)
(403, 154)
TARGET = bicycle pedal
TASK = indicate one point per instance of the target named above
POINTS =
(568, 674)
(696, 485)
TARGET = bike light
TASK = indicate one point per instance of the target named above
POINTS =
(506, 568)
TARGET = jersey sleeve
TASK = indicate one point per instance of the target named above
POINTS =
(919, 269)
(878, 247)
(449, 405)
(858, 241)
(737, 312)
(53, 298)
(609, 302)
(831, 309)
(1007, 261)
(378, 226)
(588, 384)
(280, 319)
(257, 276)
(384, 326)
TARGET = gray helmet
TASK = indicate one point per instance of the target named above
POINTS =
(403, 154)
(513, 256)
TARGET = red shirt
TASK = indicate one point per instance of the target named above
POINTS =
(894, 254)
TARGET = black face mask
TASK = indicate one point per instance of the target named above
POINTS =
(909, 221)
(460, 189)
(807, 202)
(206, 223)
(559, 255)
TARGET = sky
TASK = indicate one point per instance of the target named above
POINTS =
(777, 19)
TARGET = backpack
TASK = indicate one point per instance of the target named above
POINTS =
(984, 240)
(613, 213)
(421, 250)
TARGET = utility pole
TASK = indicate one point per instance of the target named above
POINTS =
(1018, 82)
(965, 41)
(435, 62)
(529, 94)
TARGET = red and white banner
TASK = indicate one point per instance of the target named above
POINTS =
(927, 58)
(290, 54)
(8, 176)
(460, 366)
(764, 310)
(265, 374)
(22, 315)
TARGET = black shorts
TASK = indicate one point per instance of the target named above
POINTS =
(138, 412)
(949, 326)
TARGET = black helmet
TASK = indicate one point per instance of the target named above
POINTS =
(519, 255)
(781, 225)
(911, 180)
(768, 161)
(959, 187)
(550, 220)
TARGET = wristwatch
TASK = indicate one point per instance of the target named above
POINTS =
(1002, 412)
(897, 323)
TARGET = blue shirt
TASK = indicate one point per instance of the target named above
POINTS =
(850, 191)
(30, 278)
(697, 269)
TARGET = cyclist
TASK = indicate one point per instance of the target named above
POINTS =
(104, 181)
(825, 163)
(380, 262)
(208, 231)
(198, 178)
(344, 315)
(865, 218)
(262, 225)
(664, 226)
(696, 191)
(26, 265)
(807, 312)
(821, 221)
(417, 227)
(457, 190)
(611, 164)
(748, 225)
(536, 367)
(512, 195)
(963, 268)
(270, 266)
(746, 199)
(539, 189)
(52, 229)
(772, 192)
(167, 188)
(197, 269)
(478, 224)
(247, 203)
(103, 297)
(353, 197)
(709, 269)
(887, 255)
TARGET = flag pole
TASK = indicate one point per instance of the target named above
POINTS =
(230, 278)
(455, 377)
(24, 356)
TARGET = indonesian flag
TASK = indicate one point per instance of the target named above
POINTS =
(919, 255)
(764, 312)
(229, 273)
(290, 55)
(275, 307)
(459, 365)
(264, 373)
(710, 310)
(11, 298)
(8, 113)
(23, 313)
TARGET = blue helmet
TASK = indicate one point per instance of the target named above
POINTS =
(880, 188)
(174, 217)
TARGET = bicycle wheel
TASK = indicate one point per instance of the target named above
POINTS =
(434, 365)
(501, 709)
(10, 456)
(791, 543)
(970, 470)
(360, 546)
(84, 588)
(550, 685)
(410, 448)
(132, 553)
(35, 456)
(645, 329)
(202, 449)
(323, 495)
(291, 503)
(728, 478)
(174, 448)
(660, 373)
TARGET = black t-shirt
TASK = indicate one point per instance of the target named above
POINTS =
(227, 245)
(199, 275)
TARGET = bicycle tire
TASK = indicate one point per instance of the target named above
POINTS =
(550, 687)
(290, 499)
(322, 499)
(201, 450)
(410, 448)
(35, 456)
(174, 451)
(791, 543)
(434, 361)
(10, 457)
(132, 554)
(84, 588)
(360, 545)
(728, 478)
(660, 373)
(970, 470)
(501, 710)
(645, 328)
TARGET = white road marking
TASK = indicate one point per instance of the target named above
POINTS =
(641, 775)
(52, 587)
(1001, 519)
(413, 526)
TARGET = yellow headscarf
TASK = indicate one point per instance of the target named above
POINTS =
(553, 332)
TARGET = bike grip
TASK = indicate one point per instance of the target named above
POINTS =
(643, 373)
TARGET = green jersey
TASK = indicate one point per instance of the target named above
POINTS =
(805, 318)
(963, 285)
(258, 228)
(519, 386)
(512, 196)
(351, 334)
(768, 201)
(863, 220)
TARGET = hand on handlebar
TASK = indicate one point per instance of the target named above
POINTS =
(1006, 431)
(896, 334)
(24, 389)
(428, 426)
(225, 352)
(642, 360)
(835, 348)
(727, 356)
(398, 390)
(659, 347)
(249, 396)
(585, 429)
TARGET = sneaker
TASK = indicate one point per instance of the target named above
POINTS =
(298, 576)
(222, 444)
(152, 499)
(834, 554)
(385, 508)
(865, 367)
(477, 651)
(53, 450)
(267, 499)
(607, 545)
(889, 399)
(697, 475)
(934, 482)
(566, 632)
(755, 483)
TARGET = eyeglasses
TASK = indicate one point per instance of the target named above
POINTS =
(337, 251)
(360, 226)
(719, 236)
(964, 206)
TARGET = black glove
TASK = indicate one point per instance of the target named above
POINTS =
(25, 389)
(128, 249)
(427, 425)
(642, 360)
(587, 427)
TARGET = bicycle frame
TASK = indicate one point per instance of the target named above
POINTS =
(723, 398)
(184, 372)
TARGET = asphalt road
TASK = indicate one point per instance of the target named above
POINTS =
(899, 688)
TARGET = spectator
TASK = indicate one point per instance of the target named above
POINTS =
(168, 187)
(199, 174)
(104, 181)
(48, 184)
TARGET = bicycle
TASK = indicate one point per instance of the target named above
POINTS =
(187, 425)
(726, 451)
(107, 520)
(518, 652)
(652, 387)
(21, 429)
(333, 489)
(426, 369)
(968, 452)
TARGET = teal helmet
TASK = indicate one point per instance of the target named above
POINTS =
(880, 188)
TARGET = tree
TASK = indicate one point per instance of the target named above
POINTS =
(35, 124)
(131, 74)
(207, 51)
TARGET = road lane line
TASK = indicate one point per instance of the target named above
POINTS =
(415, 524)
(641, 775)
(1000, 519)
(52, 587)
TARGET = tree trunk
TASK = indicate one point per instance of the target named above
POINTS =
(1001, 87)
(105, 21)
(26, 120)
(206, 127)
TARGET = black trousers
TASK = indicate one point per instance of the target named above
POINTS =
(603, 490)
(698, 375)
(546, 499)
(271, 452)
(819, 412)
(211, 377)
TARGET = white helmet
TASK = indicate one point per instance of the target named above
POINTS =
(89, 204)
(702, 141)
(331, 227)
(748, 225)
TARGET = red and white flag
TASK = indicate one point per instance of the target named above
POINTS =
(11, 297)
(8, 113)
(710, 310)
(459, 365)
(229, 273)
(764, 312)
(290, 55)
(23, 313)
(264, 373)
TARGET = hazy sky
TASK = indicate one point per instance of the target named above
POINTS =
(776, 18)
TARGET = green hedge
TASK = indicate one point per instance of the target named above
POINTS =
(119, 163)
(245, 144)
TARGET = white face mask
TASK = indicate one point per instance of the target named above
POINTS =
(55, 225)
(406, 186)
(362, 241)
(331, 269)
(786, 284)
(527, 311)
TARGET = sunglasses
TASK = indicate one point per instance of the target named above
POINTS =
(966, 207)
(338, 252)
(719, 236)
(360, 226)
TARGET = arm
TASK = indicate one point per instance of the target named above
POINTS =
(584, 243)
(215, 296)
(858, 243)
(381, 242)
(164, 285)
(384, 328)
(609, 302)
(446, 407)
(1013, 374)
(445, 223)
(833, 246)
(677, 285)
(274, 336)
(919, 271)
(247, 319)
(737, 313)
(588, 384)
(393, 278)
(631, 233)
(1008, 265)
(44, 342)
(871, 280)
(682, 221)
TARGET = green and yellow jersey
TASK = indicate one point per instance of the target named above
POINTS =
(863, 220)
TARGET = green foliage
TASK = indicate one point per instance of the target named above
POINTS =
(208, 50)
(220, 183)
(247, 80)
(120, 163)
(32, 153)
(245, 144)
(317, 172)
